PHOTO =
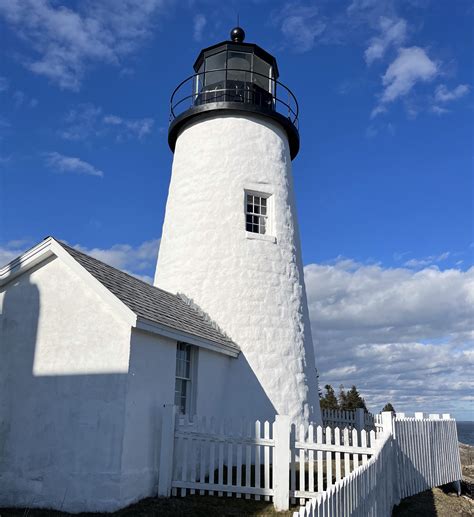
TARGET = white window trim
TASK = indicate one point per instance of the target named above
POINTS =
(269, 236)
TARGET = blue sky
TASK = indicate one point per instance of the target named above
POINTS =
(383, 179)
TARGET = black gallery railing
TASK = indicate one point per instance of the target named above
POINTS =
(237, 86)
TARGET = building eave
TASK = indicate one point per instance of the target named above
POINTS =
(162, 330)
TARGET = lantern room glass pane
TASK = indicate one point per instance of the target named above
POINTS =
(215, 62)
(238, 66)
(263, 70)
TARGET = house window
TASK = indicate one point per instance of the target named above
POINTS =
(256, 213)
(184, 373)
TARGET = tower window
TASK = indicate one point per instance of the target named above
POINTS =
(184, 373)
(256, 213)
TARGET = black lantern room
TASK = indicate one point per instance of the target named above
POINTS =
(234, 76)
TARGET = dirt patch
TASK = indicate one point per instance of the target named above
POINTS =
(439, 502)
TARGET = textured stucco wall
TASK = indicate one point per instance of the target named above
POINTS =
(63, 376)
(227, 387)
(151, 381)
(253, 288)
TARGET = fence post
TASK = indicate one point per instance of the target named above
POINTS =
(387, 422)
(165, 473)
(281, 463)
(360, 419)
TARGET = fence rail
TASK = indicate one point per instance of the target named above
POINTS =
(358, 419)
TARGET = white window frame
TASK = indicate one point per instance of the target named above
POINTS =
(269, 229)
(190, 403)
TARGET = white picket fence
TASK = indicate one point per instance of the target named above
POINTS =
(427, 452)
(322, 456)
(357, 419)
(414, 454)
(331, 472)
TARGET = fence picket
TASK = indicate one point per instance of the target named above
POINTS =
(202, 428)
(355, 456)
(257, 458)
(347, 465)
(184, 465)
(266, 468)
(311, 460)
(239, 459)
(319, 439)
(363, 443)
(337, 441)
(293, 462)
(328, 458)
(212, 426)
(302, 462)
(230, 458)
(248, 459)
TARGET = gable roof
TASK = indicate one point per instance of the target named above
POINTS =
(156, 310)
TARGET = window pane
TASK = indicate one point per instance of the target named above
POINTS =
(215, 62)
(263, 68)
(237, 61)
(215, 79)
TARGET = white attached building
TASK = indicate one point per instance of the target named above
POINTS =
(89, 355)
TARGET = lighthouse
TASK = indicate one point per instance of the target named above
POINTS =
(230, 239)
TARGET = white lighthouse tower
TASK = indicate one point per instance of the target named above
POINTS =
(230, 239)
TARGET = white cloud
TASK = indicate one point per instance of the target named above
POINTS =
(4, 84)
(399, 335)
(70, 164)
(393, 32)
(301, 25)
(427, 261)
(443, 94)
(411, 66)
(87, 120)
(437, 110)
(129, 127)
(65, 42)
(138, 261)
(12, 249)
(199, 24)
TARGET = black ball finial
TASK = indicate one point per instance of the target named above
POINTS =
(237, 34)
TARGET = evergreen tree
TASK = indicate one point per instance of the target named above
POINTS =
(342, 397)
(353, 400)
(388, 407)
(329, 401)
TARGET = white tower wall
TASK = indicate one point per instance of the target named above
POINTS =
(252, 285)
